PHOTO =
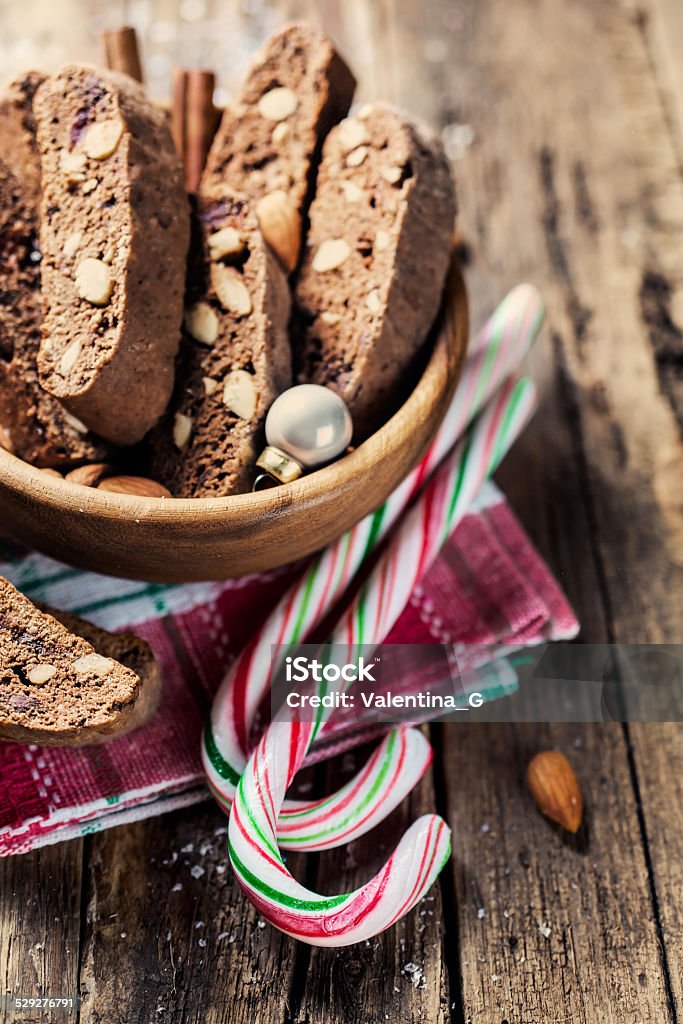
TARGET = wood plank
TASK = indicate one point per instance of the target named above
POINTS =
(661, 22)
(573, 161)
(657, 752)
(169, 936)
(400, 975)
(40, 903)
(551, 927)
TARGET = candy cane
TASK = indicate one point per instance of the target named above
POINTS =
(419, 857)
(501, 344)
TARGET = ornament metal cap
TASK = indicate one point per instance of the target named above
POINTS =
(279, 464)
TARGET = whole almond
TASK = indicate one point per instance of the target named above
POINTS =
(555, 789)
(280, 225)
(90, 476)
(136, 485)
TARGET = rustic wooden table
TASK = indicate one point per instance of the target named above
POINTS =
(565, 122)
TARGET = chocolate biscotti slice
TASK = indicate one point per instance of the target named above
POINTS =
(18, 145)
(378, 249)
(114, 232)
(55, 687)
(235, 357)
(269, 139)
(130, 651)
(35, 426)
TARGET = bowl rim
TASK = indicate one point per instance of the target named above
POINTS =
(383, 443)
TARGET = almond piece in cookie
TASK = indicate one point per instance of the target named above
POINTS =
(235, 356)
(131, 652)
(55, 688)
(269, 139)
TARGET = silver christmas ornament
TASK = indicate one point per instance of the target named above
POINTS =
(307, 426)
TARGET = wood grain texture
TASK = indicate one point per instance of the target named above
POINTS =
(40, 920)
(167, 934)
(550, 925)
(593, 198)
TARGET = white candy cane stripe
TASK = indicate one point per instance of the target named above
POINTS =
(415, 864)
(508, 335)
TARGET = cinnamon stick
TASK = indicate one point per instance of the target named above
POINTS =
(121, 52)
(200, 124)
(178, 110)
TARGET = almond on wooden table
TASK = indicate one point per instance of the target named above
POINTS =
(555, 789)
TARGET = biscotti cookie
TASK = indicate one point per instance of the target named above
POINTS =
(235, 356)
(376, 258)
(54, 687)
(113, 234)
(130, 651)
(18, 146)
(269, 140)
(35, 425)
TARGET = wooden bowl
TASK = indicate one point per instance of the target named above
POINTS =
(177, 540)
